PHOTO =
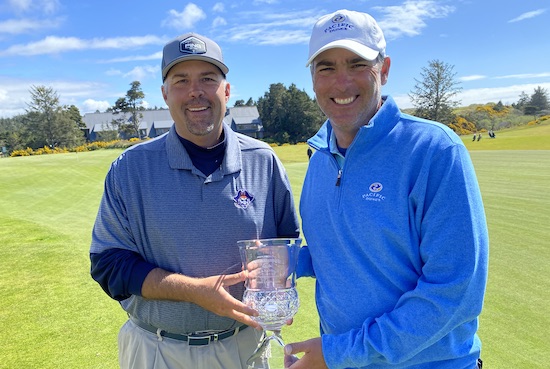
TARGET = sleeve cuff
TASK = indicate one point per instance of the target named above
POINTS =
(138, 275)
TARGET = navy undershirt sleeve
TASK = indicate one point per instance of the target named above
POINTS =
(119, 272)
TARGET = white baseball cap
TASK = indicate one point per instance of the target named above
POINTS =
(351, 30)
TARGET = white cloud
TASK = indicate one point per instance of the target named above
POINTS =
(403, 101)
(20, 5)
(527, 15)
(261, 2)
(506, 94)
(145, 104)
(18, 26)
(218, 8)
(186, 19)
(141, 72)
(474, 77)
(274, 28)
(260, 36)
(49, 6)
(40, 6)
(113, 72)
(155, 56)
(56, 45)
(526, 75)
(91, 106)
(409, 18)
(15, 96)
(219, 22)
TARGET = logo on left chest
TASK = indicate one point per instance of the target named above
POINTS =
(243, 199)
(375, 193)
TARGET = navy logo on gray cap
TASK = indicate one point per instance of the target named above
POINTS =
(192, 45)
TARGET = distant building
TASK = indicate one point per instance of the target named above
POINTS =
(245, 119)
(153, 123)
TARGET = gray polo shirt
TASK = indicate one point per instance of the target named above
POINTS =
(156, 203)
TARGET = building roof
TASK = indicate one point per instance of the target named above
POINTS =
(162, 123)
(148, 116)
(243, 115)
(102, 127)
(240, 115)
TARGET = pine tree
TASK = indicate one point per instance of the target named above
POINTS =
(289, 114)
(130, 104)
(47, 123)
(433, 95)
(539, 99)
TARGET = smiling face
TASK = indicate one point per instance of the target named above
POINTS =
(348, 89)
(196, 93)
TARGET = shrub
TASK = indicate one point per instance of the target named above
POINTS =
(21, 152)
(90, 146)
(462, 126)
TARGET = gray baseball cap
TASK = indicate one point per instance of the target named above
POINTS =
(191, 46)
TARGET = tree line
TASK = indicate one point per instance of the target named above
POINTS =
(46, 123)
(288, 114)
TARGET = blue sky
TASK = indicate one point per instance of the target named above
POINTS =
(89, 51)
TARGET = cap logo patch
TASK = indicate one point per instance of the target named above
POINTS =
(338, 18)
(339, 24)
(192, 45)
(243, 199)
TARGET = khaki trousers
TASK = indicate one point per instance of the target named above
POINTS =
(140, 349)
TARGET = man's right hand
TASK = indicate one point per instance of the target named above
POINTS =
(213, 296)
(210, 293)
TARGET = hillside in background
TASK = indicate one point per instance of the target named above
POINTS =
(525, 137)
(491, 116)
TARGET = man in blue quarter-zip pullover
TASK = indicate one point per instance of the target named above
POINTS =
(164, 242)
(393, 217)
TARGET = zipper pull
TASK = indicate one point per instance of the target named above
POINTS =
(339, 177)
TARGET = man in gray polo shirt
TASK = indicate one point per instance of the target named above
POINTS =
(164, 242)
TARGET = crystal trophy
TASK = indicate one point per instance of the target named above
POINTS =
(270, 266)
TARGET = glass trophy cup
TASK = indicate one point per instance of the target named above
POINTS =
(270, 266)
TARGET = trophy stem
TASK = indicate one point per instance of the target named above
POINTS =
(260, 350)
(277, 337)
(263, 352)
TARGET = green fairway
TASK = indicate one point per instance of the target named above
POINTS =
(515, 320)
(53, 315)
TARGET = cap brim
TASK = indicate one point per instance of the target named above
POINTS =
(353, 46)
(184, 58)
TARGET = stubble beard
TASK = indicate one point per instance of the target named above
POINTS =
(200, 129)
(198, 126)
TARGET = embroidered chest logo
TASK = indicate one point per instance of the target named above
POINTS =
(375, 193)
(376, 187)
(243, 199)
